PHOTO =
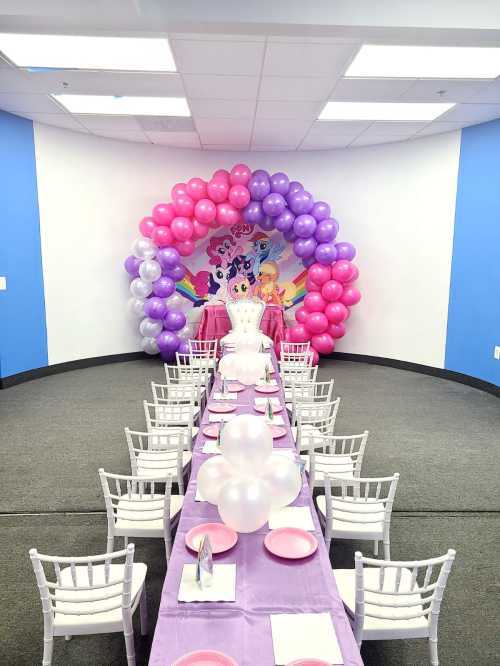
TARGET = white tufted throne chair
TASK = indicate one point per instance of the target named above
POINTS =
(245, 316)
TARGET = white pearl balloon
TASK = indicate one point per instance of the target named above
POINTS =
(144, 248)
(212, 475)
(149, 346)
(150, 328)
(136, 307)
(244, 504)
(150, 270)
(174, 302)
(247, 443)
(140, 289)
(284, 480)
(185, 333)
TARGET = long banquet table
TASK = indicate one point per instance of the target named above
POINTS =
(265, 584)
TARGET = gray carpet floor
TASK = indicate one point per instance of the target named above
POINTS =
(442, 437)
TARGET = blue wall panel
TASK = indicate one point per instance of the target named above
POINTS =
(474, 309)
(23, 334)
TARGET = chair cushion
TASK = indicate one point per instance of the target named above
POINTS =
(144, 523)
(353, 509)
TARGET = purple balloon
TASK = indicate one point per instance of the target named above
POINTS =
(345, 251)
(326, 230)
(167, 356)
(164, 287)
(320, 211)
(184, 347)
(290, 236)
(259, 187)
(325, 254)
(167, 342)
(304, 226)
(274, 204)
(267, 224)
(132, 265)
(155, 308)
(280, 183)
(284, 222)
(295, 186)
(260, 174)
(300, 202)
(176, 273)
(168, 257)
(175, 320)
(253, 213)
(304, 247)
(308, 262)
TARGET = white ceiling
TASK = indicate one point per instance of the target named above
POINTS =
(250, 85)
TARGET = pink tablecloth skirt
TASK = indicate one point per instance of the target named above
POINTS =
(215, 323)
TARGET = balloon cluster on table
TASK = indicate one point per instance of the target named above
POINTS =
(255, 198)
(248, 480)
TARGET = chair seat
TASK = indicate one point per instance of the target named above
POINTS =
(342, 466)
(351, 511)
(311, 437)
(151, 465)
(375, 628)
(148, 523)
(97, 622)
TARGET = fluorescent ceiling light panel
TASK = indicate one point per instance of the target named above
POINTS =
(79, 52)
(128, 106)
(383, 111)
(425, 62)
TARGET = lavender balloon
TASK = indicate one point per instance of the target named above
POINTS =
(167, 342)
(345, 251)
(300, 202)
(260, 174)
(320, 211)
(267, 224)
(280, 183)
(183, 347)
(259, 187)
(274, 204)
(295, 186)
(284, 222)
(155, 308)
(304, 226)
(174, 320)
(253, 213)
(163, 287)
(168, 257)
(326, 254)
(326, 230)
(132, 265)
(176, 273)
(304, 247)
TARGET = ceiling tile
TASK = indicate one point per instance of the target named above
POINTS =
(295, 88)
(321, 60)
(165, 123)
(271, 132)
(218, 57)
(64, 120)
(375, 140)
(220, 108)
(326, 143)
(399, 128)
(288, 110)
(488, 95)
(442, 90)
(438, 128)
(339, 127)
(136, 137)
(215, 37)
(199, 86)
(17, 81)
(19, 103)
(235, 131)
(273, 149)
(221, 146)
(110, 123)
(370, 90)
(474, 113)
(178, 139)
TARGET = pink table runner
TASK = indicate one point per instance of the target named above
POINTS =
(215, 323)
(264, 584)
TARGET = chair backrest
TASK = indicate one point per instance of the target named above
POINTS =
(294, 347)
(293, 373)
(246, 314)
(337, 454)
(169, 413)
(415, 588)
(315, 420)
(84, 586)
(183, 392)
(157, 454)
(203, 348)
(310, 392)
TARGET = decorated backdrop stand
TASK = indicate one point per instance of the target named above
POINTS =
(267, 202)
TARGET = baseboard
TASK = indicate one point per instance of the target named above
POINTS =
(422, 369)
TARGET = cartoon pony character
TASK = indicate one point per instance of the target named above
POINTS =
(242, 265)
(222, 250)
(268, 288)
(264, 249)
(239, 287)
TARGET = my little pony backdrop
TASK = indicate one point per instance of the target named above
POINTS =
(257, 235)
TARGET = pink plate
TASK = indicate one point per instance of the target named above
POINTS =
(262, 408)
(222, 538)
(267, 388)
(220, 408)
(205, 658)
(235, 387)
(291, 543)
(309, 662)
(211, 430)
(277, 431)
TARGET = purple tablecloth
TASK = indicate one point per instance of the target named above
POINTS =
(264, 584)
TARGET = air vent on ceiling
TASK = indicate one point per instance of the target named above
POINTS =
(165, 123)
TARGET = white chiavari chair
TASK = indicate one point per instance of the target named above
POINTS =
(395, 600)
(339, 456)
(199, 350)
(360, 509)
(199, 371)
(90, 595)
(304, 392)
(296, 373)
(296, 352)
(138, 507)
(184, 373)
(171, 417)
(158, 455)
(314, 421)
(163, 394)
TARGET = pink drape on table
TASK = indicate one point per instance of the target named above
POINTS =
(215, 323)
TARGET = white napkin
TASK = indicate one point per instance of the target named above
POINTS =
(292, 516)
(262, 382)
(210, 446)
(223, 587)
(288, 453)
(262, 401)
(225, 396)
(304, 636)
(217, 418)
(277, 420)
(198, 497)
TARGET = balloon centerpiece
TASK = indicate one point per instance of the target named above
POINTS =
(228, 198)
(248, 480)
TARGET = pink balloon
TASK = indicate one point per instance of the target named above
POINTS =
(323, 343)
(341, 270)
(199, 230)
(311, 285)
(298, 333)
(336, 330)
(316, 323)
(355, 274)
(162, 236)
(350, 296)
(315, 356)
(336, 312)
(147, 226)
(301, 315)
(163, 214)
(178, 190)
(196, 189)
(182, 228)
(221, 174)
(184, 205)
(319, 273)
(314, 302)
(227, 214)
(218, 190)
(185, 248)
(331, 290)
(205, 211)
(240, 174)
(239, 196)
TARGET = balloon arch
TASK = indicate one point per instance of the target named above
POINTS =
(272, 202)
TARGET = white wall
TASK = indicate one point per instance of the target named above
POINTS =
(395, 202)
